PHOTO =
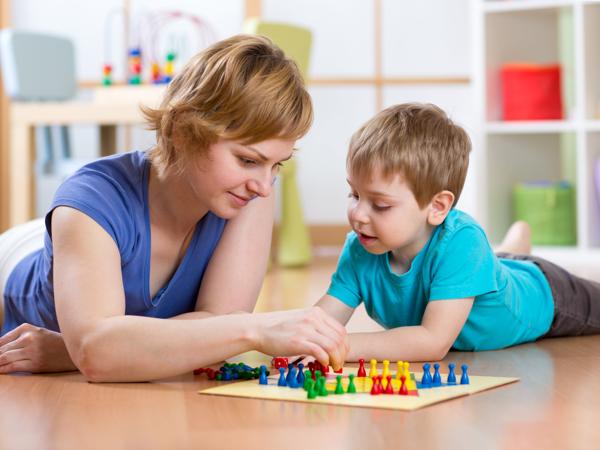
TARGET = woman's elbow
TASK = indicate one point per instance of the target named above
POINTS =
(89, 361)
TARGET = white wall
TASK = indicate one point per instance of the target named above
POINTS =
(424, 38)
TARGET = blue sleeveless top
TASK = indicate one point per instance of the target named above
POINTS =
(113, 191)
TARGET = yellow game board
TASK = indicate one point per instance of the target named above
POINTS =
(252, 389)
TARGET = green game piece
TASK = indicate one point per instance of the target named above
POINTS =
(351, 386)
(219, 376)
(307, 379)
(338, 387)
(312, 391)
(323, 388)
(317, 374)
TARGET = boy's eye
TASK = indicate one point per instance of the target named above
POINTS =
(381, 207)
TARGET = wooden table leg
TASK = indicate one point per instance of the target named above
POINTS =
(108, 140)
(21, 181)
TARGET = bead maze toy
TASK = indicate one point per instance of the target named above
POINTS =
(400, 389)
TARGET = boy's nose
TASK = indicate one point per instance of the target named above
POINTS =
(358, 214)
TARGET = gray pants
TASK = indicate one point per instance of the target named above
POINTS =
(576, 300)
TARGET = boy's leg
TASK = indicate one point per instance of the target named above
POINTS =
(517, 240)
(576, 300)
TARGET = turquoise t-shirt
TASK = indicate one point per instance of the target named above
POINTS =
(513, 300)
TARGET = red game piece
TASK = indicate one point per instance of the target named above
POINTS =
(211, 374)
(377, 387)
(403, 390)
(389, 389)
(361, 368)
(280, 361)
(318, 366)
(199, 371)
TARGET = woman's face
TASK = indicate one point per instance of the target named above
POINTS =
(230, 174)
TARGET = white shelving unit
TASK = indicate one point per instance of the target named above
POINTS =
(539, 31)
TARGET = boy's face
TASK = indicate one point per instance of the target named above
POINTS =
(386, 216)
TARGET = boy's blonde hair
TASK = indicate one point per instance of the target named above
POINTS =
(417, 141)
(243, 88)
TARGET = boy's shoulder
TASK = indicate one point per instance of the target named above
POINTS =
(458, 220)
(459, 233)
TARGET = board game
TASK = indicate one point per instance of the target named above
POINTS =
(418, 394)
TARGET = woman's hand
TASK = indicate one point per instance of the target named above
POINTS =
(308, 331)
(28, 348)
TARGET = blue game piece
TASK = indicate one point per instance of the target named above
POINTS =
(300, 378)
(263, 375)
(437, 379)
(464, 379)
(451, 376)
(292, 383)
(226, 375)
(290, 375)
(281, 381)
(426, 380)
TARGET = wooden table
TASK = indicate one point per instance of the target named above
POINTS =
(556, 405)
(108, 108)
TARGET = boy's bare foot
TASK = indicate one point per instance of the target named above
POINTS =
(517, 239)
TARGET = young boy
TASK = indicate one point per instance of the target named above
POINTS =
(425, 270)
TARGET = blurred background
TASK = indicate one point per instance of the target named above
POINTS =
(522, 77)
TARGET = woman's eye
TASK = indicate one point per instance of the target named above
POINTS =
(247, 161)
(352, 195)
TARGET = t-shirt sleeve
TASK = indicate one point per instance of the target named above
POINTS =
(464, 267)
(344, 282)
(100, 197)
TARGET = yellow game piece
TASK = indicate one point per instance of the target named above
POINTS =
(373, 371)
(400, 371)
(386, 369)
(411, 385)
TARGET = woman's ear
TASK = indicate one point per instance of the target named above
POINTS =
(439, 207)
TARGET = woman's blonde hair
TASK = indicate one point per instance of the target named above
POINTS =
(418, 141)
(243, 88)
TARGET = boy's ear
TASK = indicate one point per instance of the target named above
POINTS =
(439, 207)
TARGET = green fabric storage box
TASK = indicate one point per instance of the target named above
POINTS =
(549, 208)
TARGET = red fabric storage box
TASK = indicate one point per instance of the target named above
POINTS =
(531, 92)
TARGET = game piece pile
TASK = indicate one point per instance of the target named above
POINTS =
(229, 371)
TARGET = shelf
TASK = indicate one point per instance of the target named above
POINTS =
(532, 127)
(592, 125)
(511, 6)
(541, 32)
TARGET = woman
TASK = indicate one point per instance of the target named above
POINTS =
(149, 258)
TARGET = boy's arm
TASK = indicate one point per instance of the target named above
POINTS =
(335, 308)
(430, 341)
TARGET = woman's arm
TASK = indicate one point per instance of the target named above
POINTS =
(236, 271)
(106, 345)
(239, 262)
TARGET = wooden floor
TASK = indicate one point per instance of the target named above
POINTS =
(556, 405)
